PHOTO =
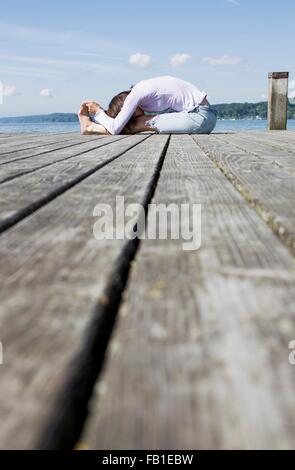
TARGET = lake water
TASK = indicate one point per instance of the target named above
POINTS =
(61, 127)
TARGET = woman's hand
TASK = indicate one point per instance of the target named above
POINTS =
(93, 107)
(83, 110)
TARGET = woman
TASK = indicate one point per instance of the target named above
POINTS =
(178, 107)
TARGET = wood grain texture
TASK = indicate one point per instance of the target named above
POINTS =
(281, 137)
(199, 355)
(278, 153)
(277, 100)
(18, 167)
(20, 137)
(35, 189)
(53, 273)
(267, 187)
(17, 140)
(281, 144)
(23, 152)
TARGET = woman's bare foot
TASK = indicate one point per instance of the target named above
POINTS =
(86, 125)
(84, 119)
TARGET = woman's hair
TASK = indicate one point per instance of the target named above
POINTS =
(115, 106)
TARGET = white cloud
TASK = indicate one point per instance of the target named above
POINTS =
(9, 90)
(46, 93)
(263, 96)
(142, 61)
(224, 60)
(179, 59)
(234, 2)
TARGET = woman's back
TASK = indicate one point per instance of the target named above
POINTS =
(162, 93)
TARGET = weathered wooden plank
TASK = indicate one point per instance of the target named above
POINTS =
(5, 134)
(24, 141)
(53, 273)
(42, 149)
(265, 145)
(265, 150)
(30, 135)
(6, 137)
(278, 137)
(20, 135)
(19, 167)
(272, 151)
(35, 189)
(199, 356)
(267, 187)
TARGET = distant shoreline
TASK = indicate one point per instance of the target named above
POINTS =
(223, 125)
(12, 121)
(234, 111)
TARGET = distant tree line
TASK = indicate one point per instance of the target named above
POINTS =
(225, 111)
(55, 117)
(248, 110)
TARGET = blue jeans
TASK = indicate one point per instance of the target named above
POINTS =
(201, 120)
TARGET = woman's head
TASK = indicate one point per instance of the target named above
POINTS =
(115, 106)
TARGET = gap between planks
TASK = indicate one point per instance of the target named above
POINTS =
(34, 206)
(271, 219)
(243, 145)
(66, 422)
(10, 159)
(11, 177)
(53, 273)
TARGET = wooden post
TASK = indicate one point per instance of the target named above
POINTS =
(277, 100)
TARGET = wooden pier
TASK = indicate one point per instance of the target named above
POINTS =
(128, 344)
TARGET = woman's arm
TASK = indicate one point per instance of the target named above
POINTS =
(115, 126)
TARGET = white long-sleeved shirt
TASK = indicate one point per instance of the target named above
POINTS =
(154, 95)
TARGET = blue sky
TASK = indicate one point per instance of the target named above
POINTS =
(54, 54)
